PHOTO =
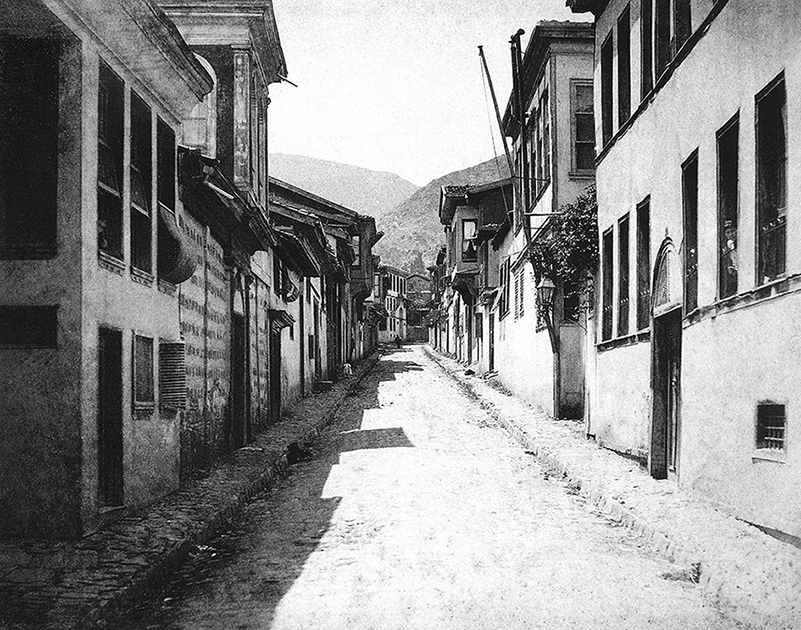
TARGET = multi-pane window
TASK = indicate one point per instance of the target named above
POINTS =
(29, 121)
(624, 67)
(469, 252)
(770, 429)
(166, 165)
(356, 244)
(643, 264)
(689, 182)
(623, 277)
(519, 289)
(141, 169)
(728, 204)
(647, 44)
(143, 371)
(662, 36)
(606, 90)
(110, 120)
(503, 302)
(584, 127)
(771, 156)
(606, 277)
(672, 28)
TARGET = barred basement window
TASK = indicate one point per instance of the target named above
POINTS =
(771, 422)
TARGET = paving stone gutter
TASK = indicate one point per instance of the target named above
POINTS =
(754, 579)
(77, 584)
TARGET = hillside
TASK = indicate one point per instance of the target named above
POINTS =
(413, 231)
(374, 193)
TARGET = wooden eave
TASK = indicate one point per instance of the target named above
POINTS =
(243, 23)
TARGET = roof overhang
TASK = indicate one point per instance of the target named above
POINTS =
(245, 23)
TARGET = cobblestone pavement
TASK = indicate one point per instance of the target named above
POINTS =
(415, 510)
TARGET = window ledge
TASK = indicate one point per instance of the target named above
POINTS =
(767, 455)
(620, 342)
(111, 263)
(582, 174)
(142, 277)
(784, 285)
(166, 287)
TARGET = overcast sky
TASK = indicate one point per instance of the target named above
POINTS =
(396, 85)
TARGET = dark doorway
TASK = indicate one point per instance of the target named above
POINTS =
(468, 318)
(109, 419)
(666, 384)
(239, 373)
(275, 375)
(491, 332)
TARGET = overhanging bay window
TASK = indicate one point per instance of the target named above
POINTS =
(771, 158)
(469, 233)
(110, 120)
(28, 147)
(141, 170)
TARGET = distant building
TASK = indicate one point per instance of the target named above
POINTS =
(696, 365)
(418, 300)
(391, 296)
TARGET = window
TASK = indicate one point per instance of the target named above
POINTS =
(111, 103)
(200, 127)
(623, 277)
(28, 147)
(647, 83)
(141, 170)
(728, 205)
(689, 184)
(644, 264)
(278, 276)
(28, 326)
(469, 252)
(546, 140)
(606, 312)
(519, 288)
(682, 22)
(166, 165)
(355, 245)
(503, 303)
(624, 67)
(606, 90)
(584, 127)
(771, 150)
(143, 372)
(662, 33)
(771, 423)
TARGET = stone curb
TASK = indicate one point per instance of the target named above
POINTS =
(714, 579)
(169, 530)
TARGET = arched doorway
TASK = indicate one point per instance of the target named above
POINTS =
(666, 330)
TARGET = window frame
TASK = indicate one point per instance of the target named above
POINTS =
(691, 258)
(141, 172)
(466, 256)
(761, 205)
(607, 89)
(644, 264)
(624, 66)
(623, 276)
(607, 283)
(110, 141)
(148, 402)
(728, 206)
(575, 85)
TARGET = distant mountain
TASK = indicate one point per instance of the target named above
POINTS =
(413, 231)
(374, 193)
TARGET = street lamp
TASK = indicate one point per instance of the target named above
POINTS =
(545, 292)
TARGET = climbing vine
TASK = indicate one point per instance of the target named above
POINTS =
(570, 249)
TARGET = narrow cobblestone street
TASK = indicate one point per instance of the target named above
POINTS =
(414, 510)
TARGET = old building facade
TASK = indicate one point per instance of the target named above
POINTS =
(92, 256)
(696, 341)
